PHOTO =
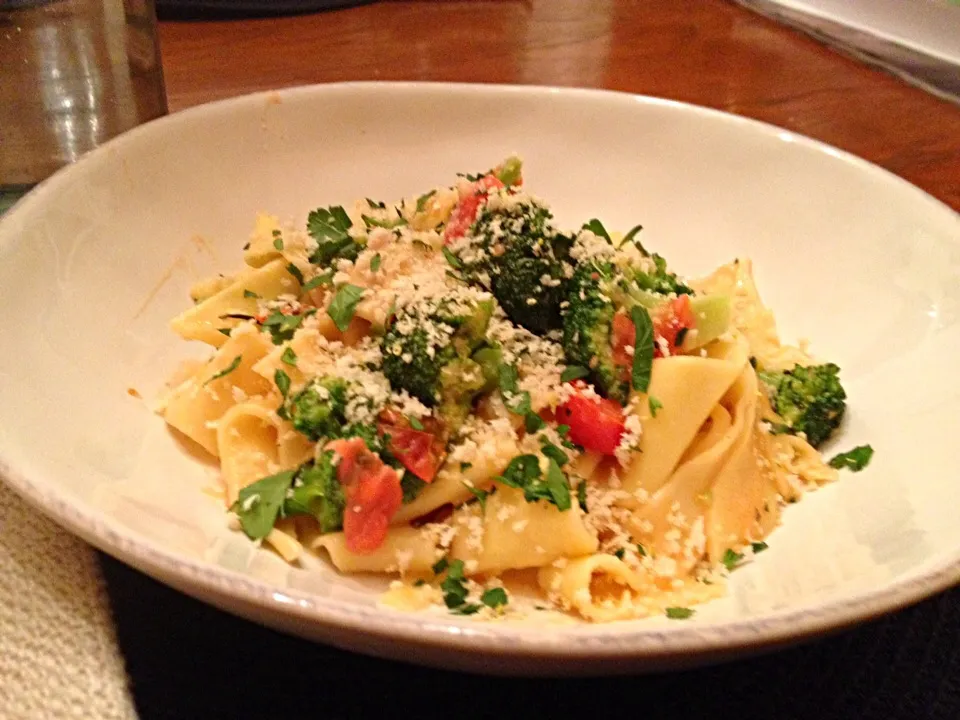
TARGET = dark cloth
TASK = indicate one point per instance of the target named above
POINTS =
(188, 660)
(226, 9)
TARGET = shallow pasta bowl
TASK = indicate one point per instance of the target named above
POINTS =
(95, 262)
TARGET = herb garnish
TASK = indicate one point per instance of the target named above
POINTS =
(295, 271)
(573, 372)
(375, 262)
(289, 357)
(642, 349)
(452, 259)
(597, 228)
(679, 613)
(321, 279)
(517, 402)
(654, 405)
(422, 200)
(259, 503)
(226, 371)
(524, 473)
(480, 495)
(250, 294)
(344, 304)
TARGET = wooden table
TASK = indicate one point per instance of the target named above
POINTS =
(708, 52)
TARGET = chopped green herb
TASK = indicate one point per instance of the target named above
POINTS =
(731, 558)
(642, 349)
(641, 550)
(225, 331)
(552, 451)
(573, 372)
(758, 547)
(597, 228)
(289, 357)
(236, 316)
(517, 402)
(329, 226)
(455, 589)
(258, 504)
(415, 423)
(295, 271)
(375, 262)
(411, 486)
(562, 430)
(464, 466)
(439, 566)
(631, 237)
(582, 495)
(480, 495)
(854, 460)
(494, 597)
(620, 553)
(419, 582)
(466, 609)
(281, 327)
(375, 205)
(282, 381)
(681, 336)
(371, 222)
(321, 279)
(654, 405)
(344, 304)
(452, 259)
(250, 294)
(235, 363)
(422, 200)
(277, 240)
(558, 485)
(679, 613)
(533, 422)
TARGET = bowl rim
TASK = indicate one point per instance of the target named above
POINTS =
(615, 640)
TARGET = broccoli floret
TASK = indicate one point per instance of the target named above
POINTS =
(427, 349)
(318, 410)
(660, 280)
(521, 262)
(317, 492)
(587, 324)
(809, 399)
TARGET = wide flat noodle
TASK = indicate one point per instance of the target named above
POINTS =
(196, 405)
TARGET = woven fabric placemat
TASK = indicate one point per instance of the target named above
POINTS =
(188, 660)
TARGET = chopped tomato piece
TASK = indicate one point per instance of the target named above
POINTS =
(595, 423)
(466, 211)
(669, 320)
(372, 492)
(418, 451)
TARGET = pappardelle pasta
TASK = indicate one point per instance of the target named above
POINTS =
(454, 391)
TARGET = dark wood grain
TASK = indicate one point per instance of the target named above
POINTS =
(708, 52)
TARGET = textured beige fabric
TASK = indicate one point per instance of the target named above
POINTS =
(58, 651)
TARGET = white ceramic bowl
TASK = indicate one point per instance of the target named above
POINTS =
(95, 261)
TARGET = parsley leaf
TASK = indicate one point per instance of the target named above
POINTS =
(642, 349)
(620, 552)
(289, 357)
(558, 486)
(494, 597)
(282, 327)
(552, 451)
(455, 589)
(375, 262)
(344, 304)
(411, 486)
(277, 240)
(480, 495)
(731, 558)
(322, 279)
(422, 200)
(415, 423)
(250, 294)
(641, 550)
(439, 566)
(631, 237)
(758, 547)
(573, 372)
(517, 402)
(582, 495)
(282, 381)
(329, 226)
(854, 460)
(295, 271)
(452, 259)
(532, 422)
(386, 224)
(597, 228)
(226, 371)
(679, 613)
(225, 331)
(654, 405)
(258, 504)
